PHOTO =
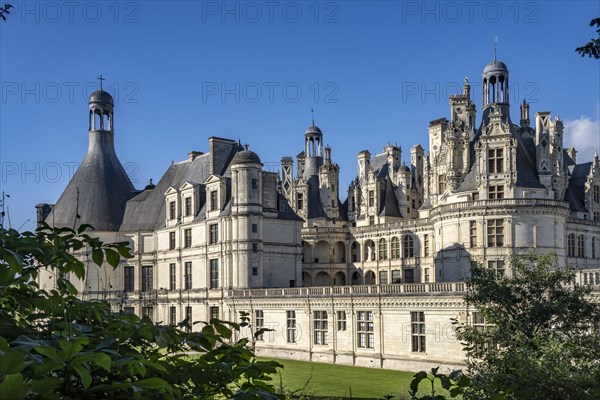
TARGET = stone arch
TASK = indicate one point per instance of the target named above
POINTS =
(339, 278)
(339, 252)
(355, 278)
(306, 279)
(369, 250)
(370, 278)
(355, 252)
(322, 252)
(322, 279)
(307, 252)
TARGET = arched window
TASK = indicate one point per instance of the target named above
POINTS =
(408, 246)
(395, 248)
(382, 249)
(571, 245)
(581, 246)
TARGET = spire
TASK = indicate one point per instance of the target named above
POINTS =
(312, 111)
(495, 43)
(100, 78)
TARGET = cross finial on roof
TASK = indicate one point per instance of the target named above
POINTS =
(100, 78)
(495, 43)
(312, 111)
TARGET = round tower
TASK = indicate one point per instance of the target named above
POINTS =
(313, 151)
(247, 215)
(495, 90)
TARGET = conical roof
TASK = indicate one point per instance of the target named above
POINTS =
(98, 192)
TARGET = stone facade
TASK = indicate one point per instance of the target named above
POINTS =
(374, 280)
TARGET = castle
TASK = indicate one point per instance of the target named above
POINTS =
(374, 280)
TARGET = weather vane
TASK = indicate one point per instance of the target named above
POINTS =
(100, 78)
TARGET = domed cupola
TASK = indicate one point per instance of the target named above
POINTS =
(246, 157)
(101, 106)
(495, 90)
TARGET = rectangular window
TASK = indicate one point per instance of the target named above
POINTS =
(214, 233)
(259, 323)
(254, 271)
(441, 183)
(188, 206)
(495, 161)
(254, 228)
(214, 312)
(496, 192)
(255, 247)
(320, 327)
(187, 234)
(188, 275)
(172, 277)
(417, 322)
(172, 210)
(171, 240)
(364, 328)
(341, 320)
(473, 233)
(596, 216)
(300, 201)
(426, 245)
(129, 310)
(254, 183)
(495, 233)
(383, 277)
(596, 193)
(371, 198)
(571, 245)
(409, 275)
(214, 204)
(214, 274)
(148, 312)
(480, 324)
(291, 326)
(497, 265)
(172, 315)
(581, 246)
(396, 276)
(426, 274)
(371, 220)
(147, 281)
(128, 279)
(188, 317)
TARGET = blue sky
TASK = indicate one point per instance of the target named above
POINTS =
(375, 72)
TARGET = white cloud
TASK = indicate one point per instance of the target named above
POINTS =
(583, 133)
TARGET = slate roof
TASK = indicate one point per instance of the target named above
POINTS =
(575, 193)
(98, 190)
(389, 205)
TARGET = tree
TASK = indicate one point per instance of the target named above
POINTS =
(592, 48)
(54, 345)
(539, 334)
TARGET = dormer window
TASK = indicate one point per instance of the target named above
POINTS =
(596, 193)
(214, 203)
(172, 210)
(188, 206)
(300, 201)
(495, 161)
(371, 198)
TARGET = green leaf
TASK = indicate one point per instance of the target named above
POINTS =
(71, 347)
(153, 383)
(13, 387)
(45, 386)
(14, 260)
(11, 362)
(84, 374)
(417, 378)
(97, 256)
(112, 257)
(47, 351)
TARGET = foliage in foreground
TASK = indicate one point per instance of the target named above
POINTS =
(591, 48)
(53, 345)
(539, 340)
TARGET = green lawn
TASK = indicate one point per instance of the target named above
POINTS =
(329, 381)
